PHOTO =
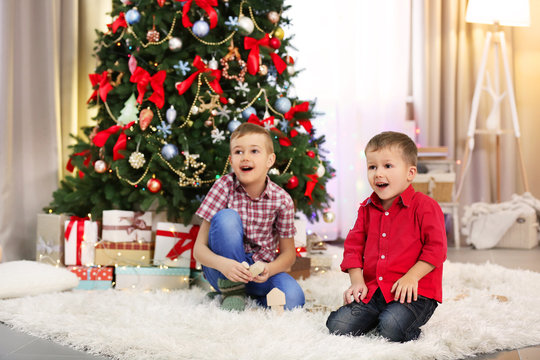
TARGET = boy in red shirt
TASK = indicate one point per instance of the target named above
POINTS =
(394, 254)
(245, 217)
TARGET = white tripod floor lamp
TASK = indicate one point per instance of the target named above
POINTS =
(497, 13)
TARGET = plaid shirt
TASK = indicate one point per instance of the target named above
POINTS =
(265, 219)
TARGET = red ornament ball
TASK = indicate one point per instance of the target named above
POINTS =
(153, 185)
(292, 183)
(311, 154)
(275, 43)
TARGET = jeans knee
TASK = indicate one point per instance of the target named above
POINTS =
(227, 221)
(294, 298)
(390, 328)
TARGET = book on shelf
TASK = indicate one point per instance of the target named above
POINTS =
(433, 152)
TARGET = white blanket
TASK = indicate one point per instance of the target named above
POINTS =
(485, 224)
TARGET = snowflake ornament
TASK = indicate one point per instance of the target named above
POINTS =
(183, 67)
(217, 136)
(164, 129)
(224, 113)
(242, 87)
(232, 22)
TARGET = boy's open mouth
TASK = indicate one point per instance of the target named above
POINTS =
(246, 168)
(381, 185)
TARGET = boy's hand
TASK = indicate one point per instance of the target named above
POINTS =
(406, 288)
(358, 292)
(262, 277)
(235, 271)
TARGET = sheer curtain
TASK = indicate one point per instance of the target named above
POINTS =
(44, 46)
(355, 64)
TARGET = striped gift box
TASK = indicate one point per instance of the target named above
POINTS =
(124, 253)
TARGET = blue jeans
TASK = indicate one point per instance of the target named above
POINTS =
(395, 321)
(226, 238)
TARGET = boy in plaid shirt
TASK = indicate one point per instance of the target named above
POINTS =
(245, 217)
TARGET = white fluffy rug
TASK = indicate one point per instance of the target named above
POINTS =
(486, 308)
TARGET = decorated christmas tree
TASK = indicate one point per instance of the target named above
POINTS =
(174, 79)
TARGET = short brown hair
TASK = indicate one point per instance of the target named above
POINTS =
(249, 128)
(389, 139)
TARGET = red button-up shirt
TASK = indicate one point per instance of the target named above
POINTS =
(265, 219)
(387, 243)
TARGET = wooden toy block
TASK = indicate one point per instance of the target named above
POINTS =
(256, 268)
(276, 300)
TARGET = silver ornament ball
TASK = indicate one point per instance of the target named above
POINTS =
(245, 25)
(320, 170)
(169, 151)
(100, 166)
(233, 125)
(175, 44)
(201, 28)
(283, 105)
(194, 110)
(248, 112)
(213, 64)
(273, 17)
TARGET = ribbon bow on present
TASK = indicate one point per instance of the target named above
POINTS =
(136, 223)
(206, 5)
(269, 124)
(143, 78)
(201, 68)
(45, 248)
(80, 233)
(253, 57)
(185, 242)
(102, 80)
(101, 138)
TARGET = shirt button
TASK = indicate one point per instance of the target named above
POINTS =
(383, 234)
(386, 213)
(380, 277)
(382, 256)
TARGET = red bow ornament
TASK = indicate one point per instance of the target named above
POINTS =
(201, 68)
(253, 57)
(101, 138)
(118, 23)
(206, 5)
(303, 107)
(88, 158)
(143, 78)
(269, 124)
(310, 185)
(102, 81)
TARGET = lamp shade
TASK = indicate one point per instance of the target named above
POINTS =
(503, 12)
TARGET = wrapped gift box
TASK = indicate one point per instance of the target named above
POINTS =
(174, 245)
(126, 226)
(300, 239)
(150, 278)
(80, 238)
(301, 268)
(124, 253)
(93, 277)
(50, 238)
(437, 185)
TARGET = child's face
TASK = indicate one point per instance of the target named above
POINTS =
(388, 173)
(250, 158)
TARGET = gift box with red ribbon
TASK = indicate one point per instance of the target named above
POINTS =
(80, 236)
(93, 277)
(126, 226)
(174, 245)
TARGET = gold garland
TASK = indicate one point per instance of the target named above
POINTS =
(166, 38)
